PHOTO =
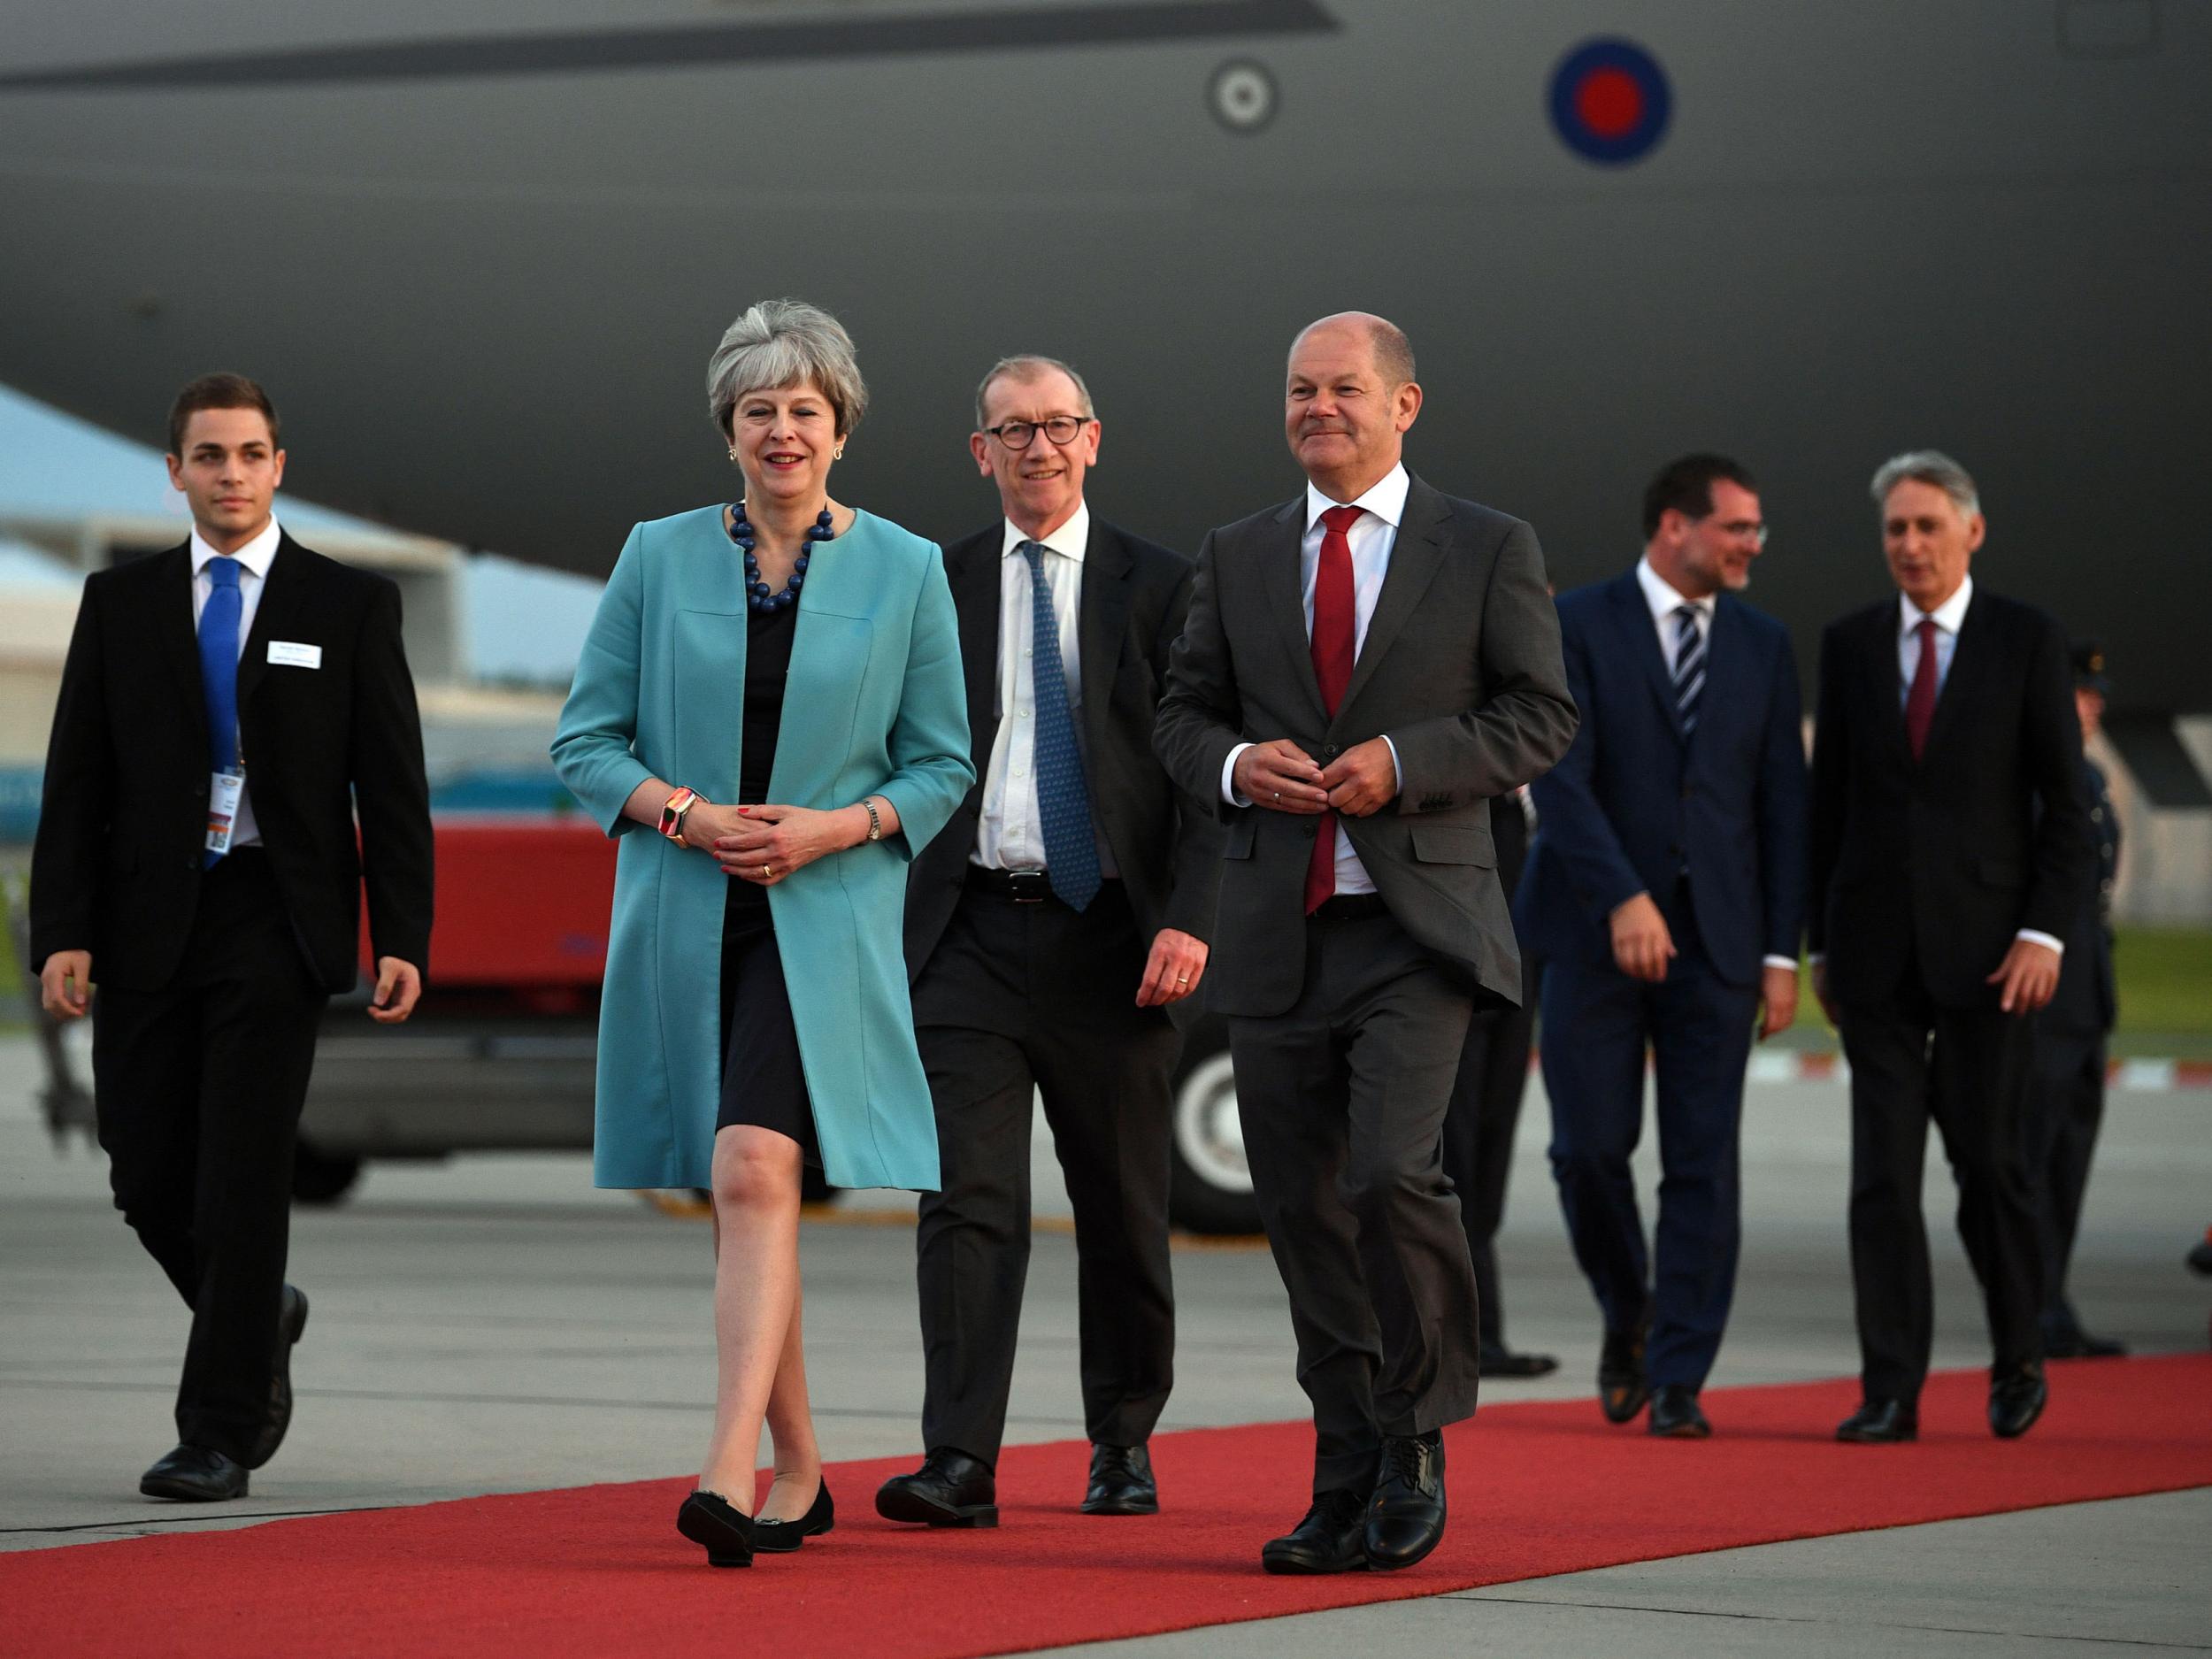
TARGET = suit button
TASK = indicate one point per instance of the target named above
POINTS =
(1328, 748)
(192, 862)
(1312, 830)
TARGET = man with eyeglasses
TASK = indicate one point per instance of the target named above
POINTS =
(1053, 928)
(1665, 894)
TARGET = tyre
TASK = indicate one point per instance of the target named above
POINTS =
(322, 1178)
(1210, 1184)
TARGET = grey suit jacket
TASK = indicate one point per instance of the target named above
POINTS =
(1461, 669)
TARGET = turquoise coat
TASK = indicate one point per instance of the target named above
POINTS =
(875, 704)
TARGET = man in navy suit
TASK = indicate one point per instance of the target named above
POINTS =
(1664, 893)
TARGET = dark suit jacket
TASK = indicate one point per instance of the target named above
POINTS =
(1944, 859)
(2087, 1000)
(1461, 669)
(1167, 847)
(115, 867)
(1634, 801)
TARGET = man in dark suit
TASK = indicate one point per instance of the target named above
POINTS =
(1485, 1112)
(1949, 853)
(226, 709)
(1665, 894)
(2066, 1094)
(1365, 669)
(1050, 928)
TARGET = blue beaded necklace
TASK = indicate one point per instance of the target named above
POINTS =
(757, 594)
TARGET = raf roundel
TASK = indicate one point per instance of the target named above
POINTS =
(1610, 101)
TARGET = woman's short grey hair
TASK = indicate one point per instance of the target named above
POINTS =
(786, 342)
(1028, 365)
(1928, 466)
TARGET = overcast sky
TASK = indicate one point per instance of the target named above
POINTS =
(522, 622)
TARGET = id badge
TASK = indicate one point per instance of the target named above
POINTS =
(224, 790)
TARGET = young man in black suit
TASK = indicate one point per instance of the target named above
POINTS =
(226, 709)
(1949, 854)
(1052, 928)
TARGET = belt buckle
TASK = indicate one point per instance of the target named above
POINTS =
(1028, 886)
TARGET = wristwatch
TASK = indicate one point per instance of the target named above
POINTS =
(875, 822)
(672, 812)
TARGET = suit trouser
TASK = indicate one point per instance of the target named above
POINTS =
(1018, 1000)
(1343, 1098)
(1968, 1069)
(199, 1088)
(2065, 1108)
(1598, 1023)
(1479, 1130)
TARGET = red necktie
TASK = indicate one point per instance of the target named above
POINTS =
(1334, 644)
(1920, 700)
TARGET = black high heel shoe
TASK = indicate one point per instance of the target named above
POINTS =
(780, 1537)
(723, 1531)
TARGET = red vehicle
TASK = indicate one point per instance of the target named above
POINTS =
(500, 1055)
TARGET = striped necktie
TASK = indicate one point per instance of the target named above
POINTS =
(1689, 666)
(1064, 799)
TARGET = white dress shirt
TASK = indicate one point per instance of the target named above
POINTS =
(1011, 834)
(254, 560)
(1664, 601)
(1949, 616)
(1370, 537)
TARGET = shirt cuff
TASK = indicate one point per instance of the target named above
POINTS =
(2045, 940)
(1778, 961)
(1397, 772)
(1228, 777)
(1816, 957)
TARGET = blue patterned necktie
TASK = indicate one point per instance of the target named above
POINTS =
(1689, 666)
(1063, 800)
(218, 668)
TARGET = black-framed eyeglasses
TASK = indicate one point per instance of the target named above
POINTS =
(1019, 435)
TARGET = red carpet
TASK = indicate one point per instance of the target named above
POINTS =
(1535, 1489)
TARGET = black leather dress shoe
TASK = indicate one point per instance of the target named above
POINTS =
(2016, 1397)
(1676, 1414)
(949, 1489)
(1880, 1422)
(1121, 1482)
(1622, 1389)
(1332, 1538)
(194, 1474)
(1499, 1361)
(780, 1537)
(291, 1324)
(1405, 1517)
(725, 1531)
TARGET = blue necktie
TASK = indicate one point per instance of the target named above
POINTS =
(1689, 666)
(1063, 800)
(218, 668)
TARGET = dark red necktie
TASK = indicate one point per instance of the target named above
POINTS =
(1334, 645)
(1920, 700)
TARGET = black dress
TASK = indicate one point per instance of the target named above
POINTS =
(762, 1081)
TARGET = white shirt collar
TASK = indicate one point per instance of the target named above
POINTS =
(257, 555)
(1947, 616)
(1663, 599)
(1387, 500)
(1069, 539)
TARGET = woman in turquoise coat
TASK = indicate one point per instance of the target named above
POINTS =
(775, 688)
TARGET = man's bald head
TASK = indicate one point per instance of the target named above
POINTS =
(1348, 397)
(1394, 352)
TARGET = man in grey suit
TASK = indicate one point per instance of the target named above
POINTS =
(1362, 669)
